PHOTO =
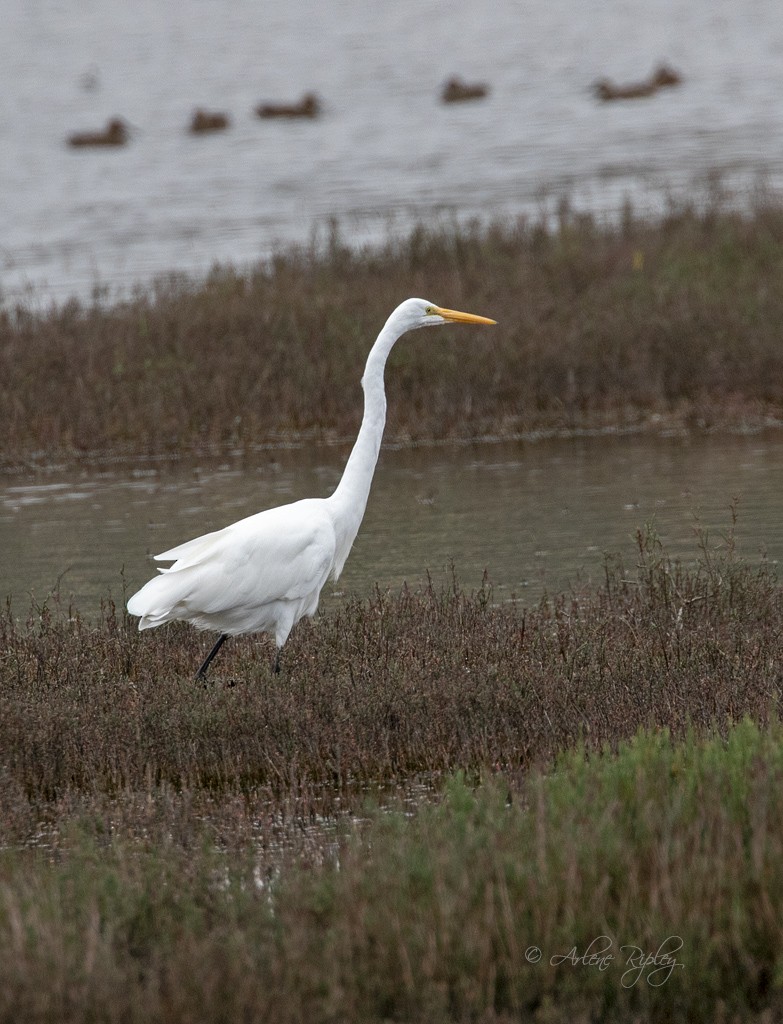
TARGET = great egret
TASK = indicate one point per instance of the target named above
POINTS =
(263, 573)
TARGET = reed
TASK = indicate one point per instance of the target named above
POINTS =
(622, 325)
(433, 788)
(485, 905)
(406, 683)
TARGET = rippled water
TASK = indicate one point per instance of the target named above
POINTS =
(533, 515)
(386, 151)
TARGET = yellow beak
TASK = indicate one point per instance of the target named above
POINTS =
(462, 318)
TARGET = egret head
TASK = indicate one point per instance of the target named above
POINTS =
(415, 313)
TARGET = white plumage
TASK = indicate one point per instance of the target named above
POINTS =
(265, 572)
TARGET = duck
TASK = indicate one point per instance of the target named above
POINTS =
(206, 121)
(115, 134)
(606, 90)
(455, 91)
(308, 106)
(663, 77)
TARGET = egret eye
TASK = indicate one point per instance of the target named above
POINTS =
(429, 311)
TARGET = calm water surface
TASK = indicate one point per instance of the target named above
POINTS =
(386, 151)
(534, 515)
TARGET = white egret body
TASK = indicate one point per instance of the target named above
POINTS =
(263, 573)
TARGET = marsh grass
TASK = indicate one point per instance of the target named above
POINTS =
(405, 683)
(599, 325)
(433, 785)
(680, 842)
(661, 847)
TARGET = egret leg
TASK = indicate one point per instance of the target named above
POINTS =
(202, 672)
(276, 669)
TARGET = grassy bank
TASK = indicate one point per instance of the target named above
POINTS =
(548, 777)
(417, 682)
(664, 862)
(676, 321)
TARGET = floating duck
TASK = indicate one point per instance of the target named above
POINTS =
(663, 77)
(308, 106)
(606, 90)
(115, 134)
(456, 91)
(204, 121)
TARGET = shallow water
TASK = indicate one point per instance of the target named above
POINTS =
(535, 516)
(386, 151)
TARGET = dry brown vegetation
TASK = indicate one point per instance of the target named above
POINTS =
(172, 852)
(409, 683)
(597, 326)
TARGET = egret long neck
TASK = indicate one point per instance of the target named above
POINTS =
(350, 497)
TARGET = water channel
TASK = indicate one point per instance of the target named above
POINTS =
(535, 516)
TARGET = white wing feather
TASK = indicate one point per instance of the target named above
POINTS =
(256, 574)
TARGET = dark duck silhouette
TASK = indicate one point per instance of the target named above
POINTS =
(457, 91)
(115, 134)
(308, 106)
